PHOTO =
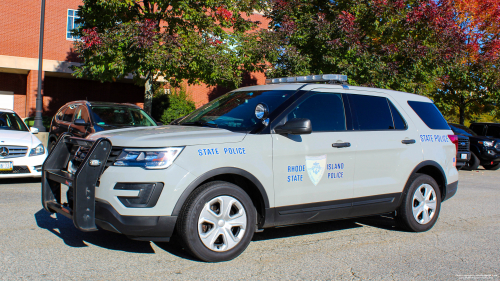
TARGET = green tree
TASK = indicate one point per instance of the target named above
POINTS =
(193, 41)
(396, 44)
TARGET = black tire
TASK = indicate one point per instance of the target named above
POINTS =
(418, 222)
(493, 167)
(473, 163)
(189, 229)
(52, 144)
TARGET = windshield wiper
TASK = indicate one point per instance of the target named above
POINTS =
(201, 123)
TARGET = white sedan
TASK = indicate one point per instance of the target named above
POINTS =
(21, 153)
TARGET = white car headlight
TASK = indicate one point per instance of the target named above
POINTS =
(486, 143)
(148, 158)
(39, 150)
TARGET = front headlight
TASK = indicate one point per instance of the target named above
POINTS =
(39, 150)
(148, 158)
(486, 143)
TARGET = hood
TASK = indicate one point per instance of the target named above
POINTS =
(18, 138)
(163, 136)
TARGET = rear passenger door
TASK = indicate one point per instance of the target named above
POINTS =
(388, 147)
(316, 167)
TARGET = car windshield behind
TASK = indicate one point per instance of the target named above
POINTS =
(10, 121)
(235, 111)
(120, 116)
(460, 129)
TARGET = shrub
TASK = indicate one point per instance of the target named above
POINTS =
(168, 107)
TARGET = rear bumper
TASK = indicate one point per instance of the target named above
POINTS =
(146, 228)
(451, 190)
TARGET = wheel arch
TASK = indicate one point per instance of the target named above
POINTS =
(434, 170)
(245, 180)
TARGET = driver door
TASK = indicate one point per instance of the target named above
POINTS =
(318, 167)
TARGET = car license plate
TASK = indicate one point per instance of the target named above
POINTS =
(6, 166)
(463, 156)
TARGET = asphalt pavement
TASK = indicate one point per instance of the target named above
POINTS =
(463, 245)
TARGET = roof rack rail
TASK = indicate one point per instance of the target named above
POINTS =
(330, 78)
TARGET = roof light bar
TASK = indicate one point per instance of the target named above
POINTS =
(309, 79)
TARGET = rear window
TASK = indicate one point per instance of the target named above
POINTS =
(429, 113)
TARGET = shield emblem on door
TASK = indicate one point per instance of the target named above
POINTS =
(315, 166)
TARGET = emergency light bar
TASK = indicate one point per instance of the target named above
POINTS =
(309, 79)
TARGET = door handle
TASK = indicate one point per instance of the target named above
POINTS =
(341, 144)
(408, 141)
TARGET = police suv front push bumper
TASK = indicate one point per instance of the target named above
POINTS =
(81, 183)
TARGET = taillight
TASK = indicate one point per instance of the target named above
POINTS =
(454, 139)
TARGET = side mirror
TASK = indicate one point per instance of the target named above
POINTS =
(34, 130)
(80, 122)
(296, 126)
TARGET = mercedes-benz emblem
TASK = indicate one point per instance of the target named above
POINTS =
(4, 151)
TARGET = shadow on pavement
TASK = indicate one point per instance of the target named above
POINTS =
(381, 221)
(63, 228)
(21, 180)
(175, 248)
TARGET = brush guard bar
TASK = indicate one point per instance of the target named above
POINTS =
(82, 182)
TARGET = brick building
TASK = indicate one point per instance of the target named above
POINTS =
(19, 38)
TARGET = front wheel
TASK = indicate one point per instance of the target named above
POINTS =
(217, 222)
(419, 210)
(493, 167)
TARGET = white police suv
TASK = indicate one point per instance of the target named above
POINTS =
(292, 151)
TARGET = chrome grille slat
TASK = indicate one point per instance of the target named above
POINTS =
(14, 151)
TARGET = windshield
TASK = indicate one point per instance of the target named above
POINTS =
(460, 129)
(121, 116)
(235, 111)
(10, 121)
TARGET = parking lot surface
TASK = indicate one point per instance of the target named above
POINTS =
(463, 245)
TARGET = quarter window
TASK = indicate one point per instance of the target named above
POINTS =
(371, 113)
(429, 113)
(326, 112)
(71, 24)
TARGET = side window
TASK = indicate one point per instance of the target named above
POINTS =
(59, 115)
(399, 121)
(429, 113)
(69, 113)
(372, 113)
(82, 113)
(493, 131)
(326, 112)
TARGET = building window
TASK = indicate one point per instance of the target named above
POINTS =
(72, 16)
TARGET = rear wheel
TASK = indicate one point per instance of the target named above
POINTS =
(217, 222)
(493, 167)
(421, 204)
(473, 162)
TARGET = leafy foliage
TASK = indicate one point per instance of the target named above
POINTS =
(168, 107)
(380, 43)
(197, 41)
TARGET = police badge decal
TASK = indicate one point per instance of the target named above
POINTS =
(315, 167)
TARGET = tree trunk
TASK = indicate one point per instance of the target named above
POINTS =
(461, 109)
(148, 94)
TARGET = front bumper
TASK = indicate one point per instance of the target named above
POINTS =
(144, 228)
(24, 167)
(451, 190)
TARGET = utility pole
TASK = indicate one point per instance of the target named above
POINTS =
(39, 102)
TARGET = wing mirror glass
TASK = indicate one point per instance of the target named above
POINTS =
(80, 122)
(296, 126)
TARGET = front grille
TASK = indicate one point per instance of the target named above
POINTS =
(115, 152)
(16, 170)
(463, 144)
(13, 151)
